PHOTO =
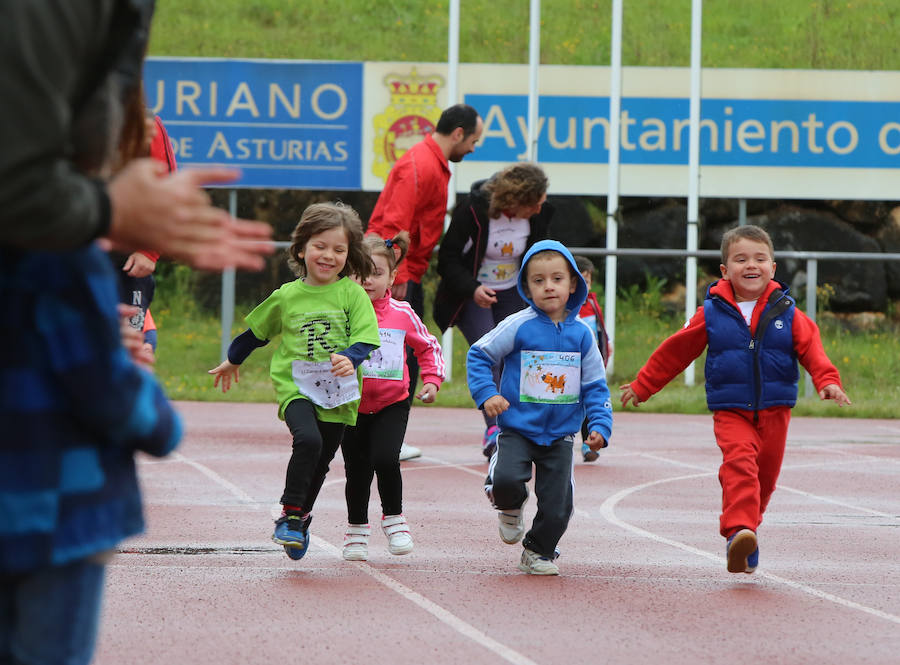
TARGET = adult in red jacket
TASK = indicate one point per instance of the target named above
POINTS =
(414, 200)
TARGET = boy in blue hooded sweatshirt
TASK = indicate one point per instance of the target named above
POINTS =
(553, 378)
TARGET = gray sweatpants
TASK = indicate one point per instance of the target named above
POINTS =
(554, 483)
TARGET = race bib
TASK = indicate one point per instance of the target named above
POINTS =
(386, 362)
(550, 377)
(316, 382)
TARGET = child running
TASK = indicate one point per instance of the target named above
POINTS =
(327, 327)
(552, 378)
(591, 314)
(372, 446)
(755, 335)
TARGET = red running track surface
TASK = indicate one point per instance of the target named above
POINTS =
(643, 576)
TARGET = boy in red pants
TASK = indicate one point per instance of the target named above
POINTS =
(755, 336)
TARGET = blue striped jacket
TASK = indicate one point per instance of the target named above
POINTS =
(73, 410)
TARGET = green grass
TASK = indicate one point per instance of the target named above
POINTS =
(797, 34)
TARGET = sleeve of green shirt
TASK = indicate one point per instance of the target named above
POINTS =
(265, 319)
(363, 324)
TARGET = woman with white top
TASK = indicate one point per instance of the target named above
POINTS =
(480, 255)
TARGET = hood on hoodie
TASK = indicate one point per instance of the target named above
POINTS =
(576, 299)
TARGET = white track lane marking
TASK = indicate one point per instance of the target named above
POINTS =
(444, 616)
(607, 510)
(810, 495)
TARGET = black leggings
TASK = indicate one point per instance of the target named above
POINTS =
(373, 447)
(315, 443)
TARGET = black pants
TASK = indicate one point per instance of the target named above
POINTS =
(415, 296)
(315, 443)
(372, 447)
(510, 470)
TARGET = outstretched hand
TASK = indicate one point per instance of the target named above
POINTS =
(834, 391)
(224, 373)
(171, 214)
(628, 395)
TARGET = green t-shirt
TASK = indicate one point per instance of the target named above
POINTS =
(314, 322)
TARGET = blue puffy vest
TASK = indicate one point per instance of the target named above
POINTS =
(750, 373)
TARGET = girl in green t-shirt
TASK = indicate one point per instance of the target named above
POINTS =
(327, 327)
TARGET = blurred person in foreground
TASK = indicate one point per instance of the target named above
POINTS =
(74, 406)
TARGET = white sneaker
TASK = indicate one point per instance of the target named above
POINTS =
(512, 523)
(356, 542)
(535, 564)
(409, 452)
(397, 531)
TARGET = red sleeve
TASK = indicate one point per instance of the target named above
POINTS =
(811, 353)
(161, 147)
(161, 150)
(398, 208)
(672, 357)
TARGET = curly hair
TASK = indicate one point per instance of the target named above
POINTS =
(520, 184)
(321, 217)
(393, 250)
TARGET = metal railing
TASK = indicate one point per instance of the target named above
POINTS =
(812, 271)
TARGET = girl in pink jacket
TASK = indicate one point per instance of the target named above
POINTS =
(372, 446)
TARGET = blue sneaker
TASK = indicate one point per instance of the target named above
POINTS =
(587, 454)
(292, 531)
(489, 443)
(742, 552)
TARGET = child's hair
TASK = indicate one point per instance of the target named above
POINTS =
(393, 250)
(546, 254)
(748, 232)
(520, 184)
(321, 217)
(584, 264)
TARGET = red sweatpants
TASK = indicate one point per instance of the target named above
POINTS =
(751, 460)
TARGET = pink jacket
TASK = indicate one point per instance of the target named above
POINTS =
(393, 314)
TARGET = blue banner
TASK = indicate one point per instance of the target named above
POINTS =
(734, 132)
(284, 124)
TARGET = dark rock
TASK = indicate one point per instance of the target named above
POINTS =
(858, 285)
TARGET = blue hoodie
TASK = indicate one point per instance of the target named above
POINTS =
(553, 374)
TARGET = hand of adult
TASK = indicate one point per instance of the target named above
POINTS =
(484, 296)
(171, 214)
(139, 265)
(398, 291)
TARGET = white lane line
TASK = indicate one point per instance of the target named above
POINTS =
(215, 477)
(444, 616)
(608, 511)
(787, 467)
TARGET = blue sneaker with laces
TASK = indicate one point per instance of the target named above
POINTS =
(587, 454)
(489, 443)
(742, 552)
(292, 531)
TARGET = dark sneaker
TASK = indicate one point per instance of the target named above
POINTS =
(587, 454)
(742, 552)
(292, 531)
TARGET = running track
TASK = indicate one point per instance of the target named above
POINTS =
(643, 575)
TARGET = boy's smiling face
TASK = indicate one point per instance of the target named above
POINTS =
(549, 283)
(750, 268)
